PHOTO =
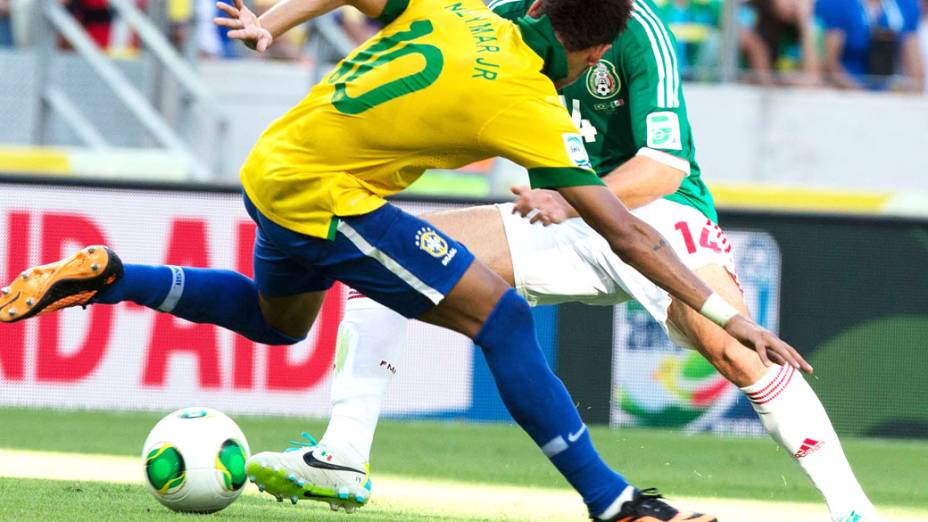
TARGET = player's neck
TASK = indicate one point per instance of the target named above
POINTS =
(539, 35)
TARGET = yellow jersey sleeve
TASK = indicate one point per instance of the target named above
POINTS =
(539, 135)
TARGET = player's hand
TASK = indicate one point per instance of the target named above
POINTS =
(244, 26)
(542, 206)
(767, 345)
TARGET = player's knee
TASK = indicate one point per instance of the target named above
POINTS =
(271, 336)
(518, 311)
(511, 317)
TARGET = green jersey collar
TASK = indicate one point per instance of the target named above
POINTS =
(538, 33)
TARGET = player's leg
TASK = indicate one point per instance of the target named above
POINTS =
(410, 266)
(481, 230)
(370, 343)
(788, 407)
(371, 337)
(738, 364)
(484, 308)
(221, 297)
(280, 314)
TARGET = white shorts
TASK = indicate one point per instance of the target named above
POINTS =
(570, 262)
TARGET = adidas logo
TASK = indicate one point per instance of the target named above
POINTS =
(808, 447)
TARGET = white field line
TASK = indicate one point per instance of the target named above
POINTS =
(441, 497)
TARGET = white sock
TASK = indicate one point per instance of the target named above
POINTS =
(371, 338)
(627, 495)
(797, 421)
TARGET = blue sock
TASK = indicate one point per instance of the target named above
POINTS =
(538, 401)
(221, 297)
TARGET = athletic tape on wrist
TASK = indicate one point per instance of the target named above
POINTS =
(177, 290)
(718, 310)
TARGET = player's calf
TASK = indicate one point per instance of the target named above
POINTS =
(787, 406)
(96, 275)
(544, 409)
(738, 363)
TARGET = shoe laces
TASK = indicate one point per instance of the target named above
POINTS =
(299, 445)
(648, 502)
(650, 493)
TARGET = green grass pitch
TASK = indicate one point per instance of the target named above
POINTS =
(48, 501)
(892, 472)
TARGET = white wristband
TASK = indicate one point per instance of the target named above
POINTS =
(718, 310)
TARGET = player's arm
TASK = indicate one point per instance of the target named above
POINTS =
(259, 33)
(659, 127)
(642, 180)
(636, 183)
(556, 159)
(642, 247)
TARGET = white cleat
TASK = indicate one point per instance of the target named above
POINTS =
(860, 516)
(312, 473)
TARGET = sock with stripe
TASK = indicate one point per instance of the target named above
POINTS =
(201, 295)
(540, 404)
(371, 338)
(797, 421)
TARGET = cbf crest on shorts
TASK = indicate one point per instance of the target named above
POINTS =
(429, 241)
(602, 80)
(433, 244)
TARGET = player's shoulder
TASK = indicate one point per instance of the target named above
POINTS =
(645, 23)
(646, 30)
(510, 9)
(404, 11)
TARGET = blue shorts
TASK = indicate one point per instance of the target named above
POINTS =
(388, 255)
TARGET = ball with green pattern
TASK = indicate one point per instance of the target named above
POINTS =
(194, 460)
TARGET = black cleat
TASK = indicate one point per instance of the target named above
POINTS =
(647, 506)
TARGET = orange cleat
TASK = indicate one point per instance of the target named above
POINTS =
(647, 506)
(73, 281)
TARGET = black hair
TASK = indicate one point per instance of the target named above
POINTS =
(582, 24)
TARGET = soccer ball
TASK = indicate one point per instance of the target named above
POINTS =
(194, 460)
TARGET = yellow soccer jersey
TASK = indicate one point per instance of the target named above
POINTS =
(444, 84)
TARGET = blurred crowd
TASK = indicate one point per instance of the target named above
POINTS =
(847, 44)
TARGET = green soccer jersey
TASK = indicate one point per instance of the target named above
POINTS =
(631, 103)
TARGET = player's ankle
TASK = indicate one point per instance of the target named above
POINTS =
(616, 507)
(349, 437)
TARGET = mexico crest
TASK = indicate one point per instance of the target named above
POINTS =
(602, 80)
